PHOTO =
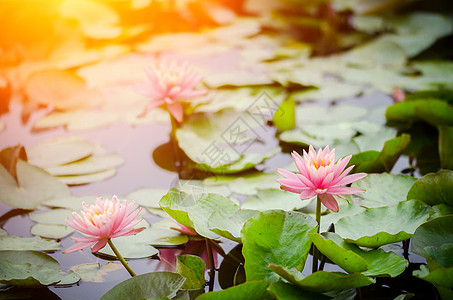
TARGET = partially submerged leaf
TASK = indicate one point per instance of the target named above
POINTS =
(59, 151)
(32, 269)
(149, 285)
(34, 186)
(322, 281)
(250, 290)
(93, 272)
(10, 242)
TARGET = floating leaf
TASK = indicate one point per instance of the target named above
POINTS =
(441, 277)
(94, 272)
(328, 91)
(54, 216)
(162, 233)
(32, 269)
(344, 210)
(383, 225)
(433, 188)
(51, 231)
(277, 237)
(147, 197)
(249, 290)
(339, 252)
(382, 189)
(286, 291)
(89, 165)
(34, 186)
(353, 259)
(10, 242)
(268, 199)
(197, 212)
(435, 232)
(284, 118)
(192, 268)
(229, 226)
(378, 162)
(88, 178)
(323, 281)
(59, 151)
(149, 285)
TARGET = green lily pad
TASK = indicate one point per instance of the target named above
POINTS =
(269, 199)
(277, 237)
(51, 231)
(11, 242)
(93, 272)
(34, 186)
(59, 151)
(197, 213)
(87, 178)
(229, 226)
(433, 188)
(378, 162)
(32, 269)
(441, 210)
(218, 140)
(286, 291)
(328, 91)
(284, 118)
(246, 161)
(435, 232)
(149, 285)
(323, 281)
(147, 197)
(442, 277)
(334, 247)
(322, 115)
(162, 234)
(439, 257)
(383, 225)
(249, 290)
(248, 184)
(344, 211)
(382, 189)
(88, 165)
(54, 216)
(192, 268)
(51, 223)
(353, 259)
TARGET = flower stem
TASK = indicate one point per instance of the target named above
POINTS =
(174, 144)
(211, 266)
(121, 259)
(318, 221)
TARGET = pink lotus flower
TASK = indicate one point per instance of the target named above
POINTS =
(170, 83)
(319, 175)
(103, 221)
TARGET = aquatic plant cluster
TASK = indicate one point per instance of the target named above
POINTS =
(284, 189)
